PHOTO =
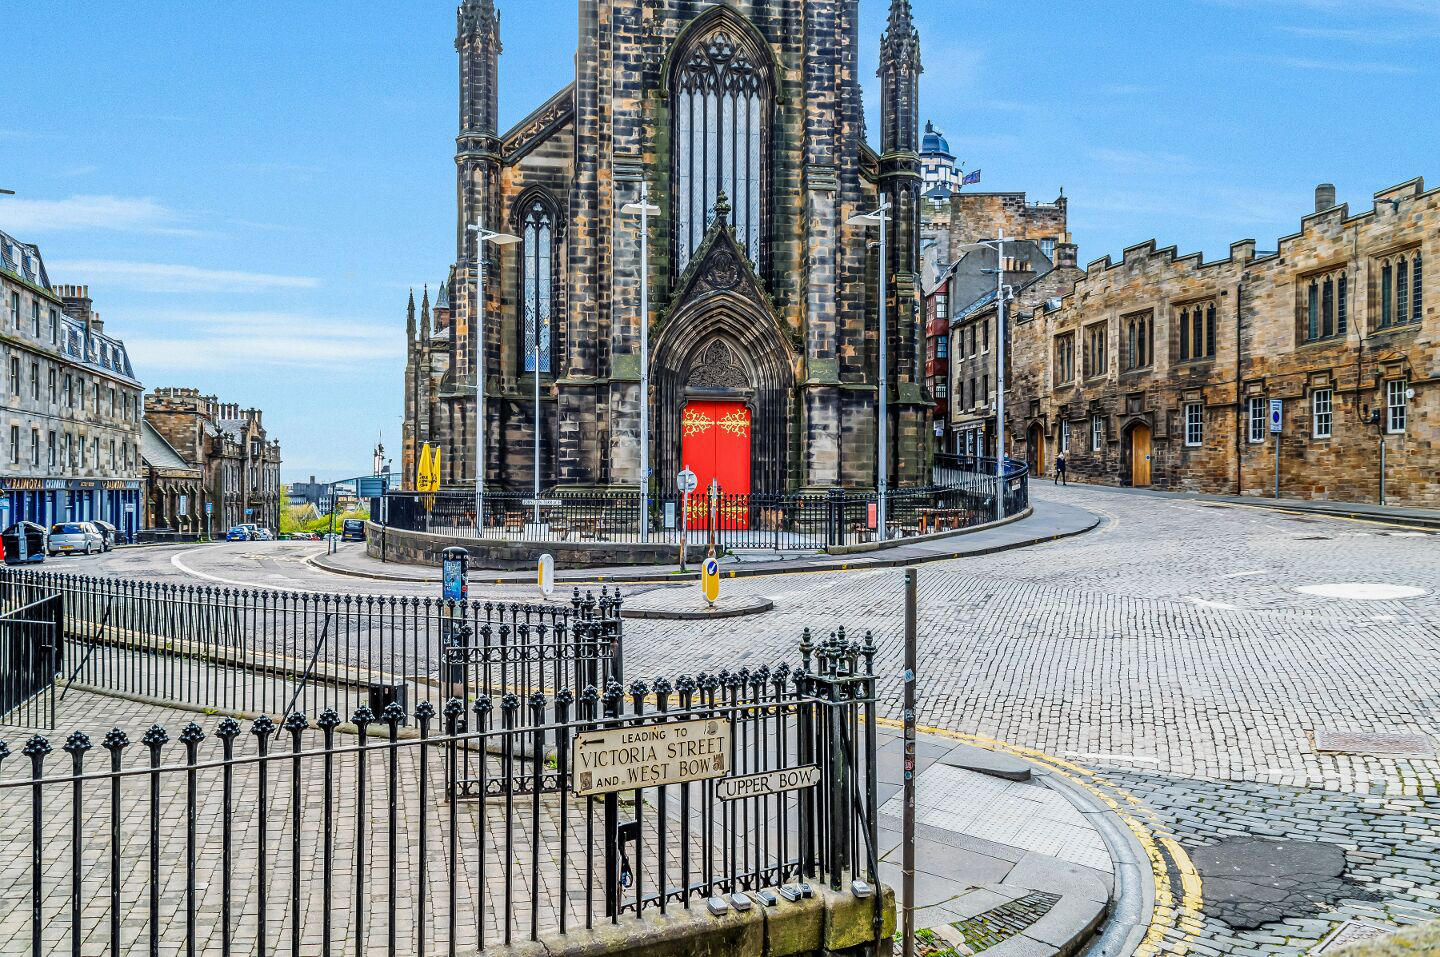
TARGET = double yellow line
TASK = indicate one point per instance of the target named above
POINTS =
(1178, 918)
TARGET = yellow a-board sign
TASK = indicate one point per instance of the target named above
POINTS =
(434, 469)
(422, 469)
(710, 579)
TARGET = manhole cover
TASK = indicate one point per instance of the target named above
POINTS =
(1350, 932)
(1379, 744)
(1362, 591)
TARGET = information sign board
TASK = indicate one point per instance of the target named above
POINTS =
(622, 759)
(767, 782)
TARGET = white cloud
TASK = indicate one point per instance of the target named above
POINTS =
(121, 213)
(1340, 66)
(171, 277)
(1133, 159)
(258, 341)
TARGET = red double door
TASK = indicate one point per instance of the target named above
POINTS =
(715, 445)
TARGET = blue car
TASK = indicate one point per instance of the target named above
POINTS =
(237, 533)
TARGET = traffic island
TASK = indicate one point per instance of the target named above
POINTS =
(687, 604)
(826, 924)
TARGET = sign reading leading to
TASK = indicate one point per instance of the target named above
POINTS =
(621, 759)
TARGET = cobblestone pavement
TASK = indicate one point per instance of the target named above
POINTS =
(1167, 662)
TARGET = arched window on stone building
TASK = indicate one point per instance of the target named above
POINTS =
(1400, 299)
(721, 92)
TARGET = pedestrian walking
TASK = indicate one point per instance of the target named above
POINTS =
(1060, 469)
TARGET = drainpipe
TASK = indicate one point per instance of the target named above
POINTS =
(1239, 399)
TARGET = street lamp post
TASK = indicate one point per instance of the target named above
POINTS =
(483, 236)
(882, 458)
(998, 244)
(646, 209)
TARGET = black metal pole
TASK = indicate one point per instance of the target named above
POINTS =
(907, 865)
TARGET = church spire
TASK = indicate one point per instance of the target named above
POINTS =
(410, 318)
(899, 73)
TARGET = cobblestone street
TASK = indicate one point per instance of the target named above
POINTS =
(1169, 654)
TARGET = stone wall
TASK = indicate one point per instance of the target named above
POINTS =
(830, 924)
(1262, 350)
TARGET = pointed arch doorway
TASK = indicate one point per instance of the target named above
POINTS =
(1138, 441)
(1035, 450)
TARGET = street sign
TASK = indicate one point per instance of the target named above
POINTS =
(710, 580)
(687, 481)
(547, 575)
(767, 783)
(543, 502)
(209, 508)
(371, 488)
(621, 759)
(1277, 415)
(669, 514)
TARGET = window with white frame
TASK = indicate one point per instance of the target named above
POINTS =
(942, 306)
(1396, 405)
(1322, 413)
(1258, 418)
(1064, 438)
(1097, 433)
(1194, 424)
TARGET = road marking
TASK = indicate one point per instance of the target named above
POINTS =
(1211, 604)
(175, 560)
(1258, 571)
(1166, 855)
(1105, 756)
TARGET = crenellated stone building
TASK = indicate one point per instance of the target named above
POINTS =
(745, 121)
(1160, 369)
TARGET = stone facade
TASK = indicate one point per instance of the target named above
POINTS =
(70, 431)
(958, 282)
(229, 445)
(766, 265)
(1183, 357)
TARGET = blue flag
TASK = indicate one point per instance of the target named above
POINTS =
(971, 178)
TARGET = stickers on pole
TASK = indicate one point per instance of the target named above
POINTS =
(547, 575)
(710, 579)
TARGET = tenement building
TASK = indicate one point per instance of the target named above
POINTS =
(742, 124)
(239, 463)
(958, 279)
(1162, 369)
(69, 439)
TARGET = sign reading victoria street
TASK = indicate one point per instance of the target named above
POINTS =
(768, 782)
(621, 759)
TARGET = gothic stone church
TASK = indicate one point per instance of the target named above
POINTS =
(745, 120)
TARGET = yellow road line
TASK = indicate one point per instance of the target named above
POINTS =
(1183, 918)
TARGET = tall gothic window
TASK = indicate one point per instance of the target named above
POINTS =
(536, 284)
(721, 126)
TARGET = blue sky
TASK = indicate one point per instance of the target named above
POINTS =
(251, 189)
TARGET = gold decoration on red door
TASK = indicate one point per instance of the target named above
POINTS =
(736, 422)
(696, 422)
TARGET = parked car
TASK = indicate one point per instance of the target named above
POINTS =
(237, 533)
(109, 532)
(353, 530)
(74, 538)
(252, 530)
(24, 542)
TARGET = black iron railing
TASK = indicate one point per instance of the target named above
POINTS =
(31, 657)
(291, 837)
(255, 650)
(963, 494)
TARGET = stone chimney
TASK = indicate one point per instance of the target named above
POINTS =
(1067, 256)
(1324, 197)
(77, 301)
